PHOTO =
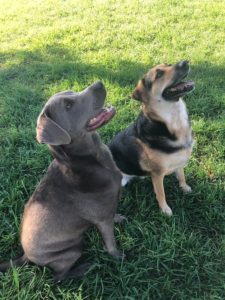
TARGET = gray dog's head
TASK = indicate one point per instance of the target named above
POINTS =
(67, 115)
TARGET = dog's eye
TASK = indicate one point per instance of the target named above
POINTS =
(68, 103)
(159, 73)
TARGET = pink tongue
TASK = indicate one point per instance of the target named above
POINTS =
(105, 115)
(181, 86)
(97, 118)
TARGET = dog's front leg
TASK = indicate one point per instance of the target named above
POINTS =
(182, 182)
(157, 181)
(107, 232)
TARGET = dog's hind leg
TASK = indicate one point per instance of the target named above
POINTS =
(182, 182)
(119, 219)
(63, 265)
(74, 272)
(17, 262)
(126, 178)
(157, 181)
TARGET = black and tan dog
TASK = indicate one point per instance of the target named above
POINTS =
(81, 187)
(160, 141)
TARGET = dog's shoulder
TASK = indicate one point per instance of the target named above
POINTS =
(156, 135)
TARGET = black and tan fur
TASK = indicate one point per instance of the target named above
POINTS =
(160, 141)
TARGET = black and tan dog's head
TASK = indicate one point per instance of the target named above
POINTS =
(164, 83)
(69, 115)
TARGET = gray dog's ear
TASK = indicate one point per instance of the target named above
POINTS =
(49, 132)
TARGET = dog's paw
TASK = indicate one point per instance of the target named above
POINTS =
(126, 178)
(167, 211)
(118, 254)
(186, 188)
(124, 181)
(118, 218)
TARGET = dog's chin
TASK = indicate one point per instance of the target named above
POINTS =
(102, 118)
(178, 90)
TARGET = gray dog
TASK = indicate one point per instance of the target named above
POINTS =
(81, 188)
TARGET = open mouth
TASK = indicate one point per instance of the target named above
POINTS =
(103, 117)
(174, 92)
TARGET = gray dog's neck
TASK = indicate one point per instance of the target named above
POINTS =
(82, 147)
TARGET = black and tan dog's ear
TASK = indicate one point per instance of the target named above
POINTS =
(137, 93)
(146, 82)
(142, 87)
(49, 132)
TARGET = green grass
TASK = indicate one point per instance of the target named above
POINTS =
(49, 46)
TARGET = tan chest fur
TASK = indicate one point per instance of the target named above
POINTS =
(154, 161)
(176, 119)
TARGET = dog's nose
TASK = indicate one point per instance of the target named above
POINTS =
(183, 64)
(98, 85)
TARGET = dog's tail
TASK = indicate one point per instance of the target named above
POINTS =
(16, 262)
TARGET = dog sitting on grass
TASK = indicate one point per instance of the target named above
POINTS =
(81, 187)
(160, 141)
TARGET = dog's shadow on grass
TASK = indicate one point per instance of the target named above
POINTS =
(56, 64)
(34, 71)
(29, 79)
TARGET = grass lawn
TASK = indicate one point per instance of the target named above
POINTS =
(50, 46)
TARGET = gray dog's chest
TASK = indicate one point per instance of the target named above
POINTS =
(59, 211)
